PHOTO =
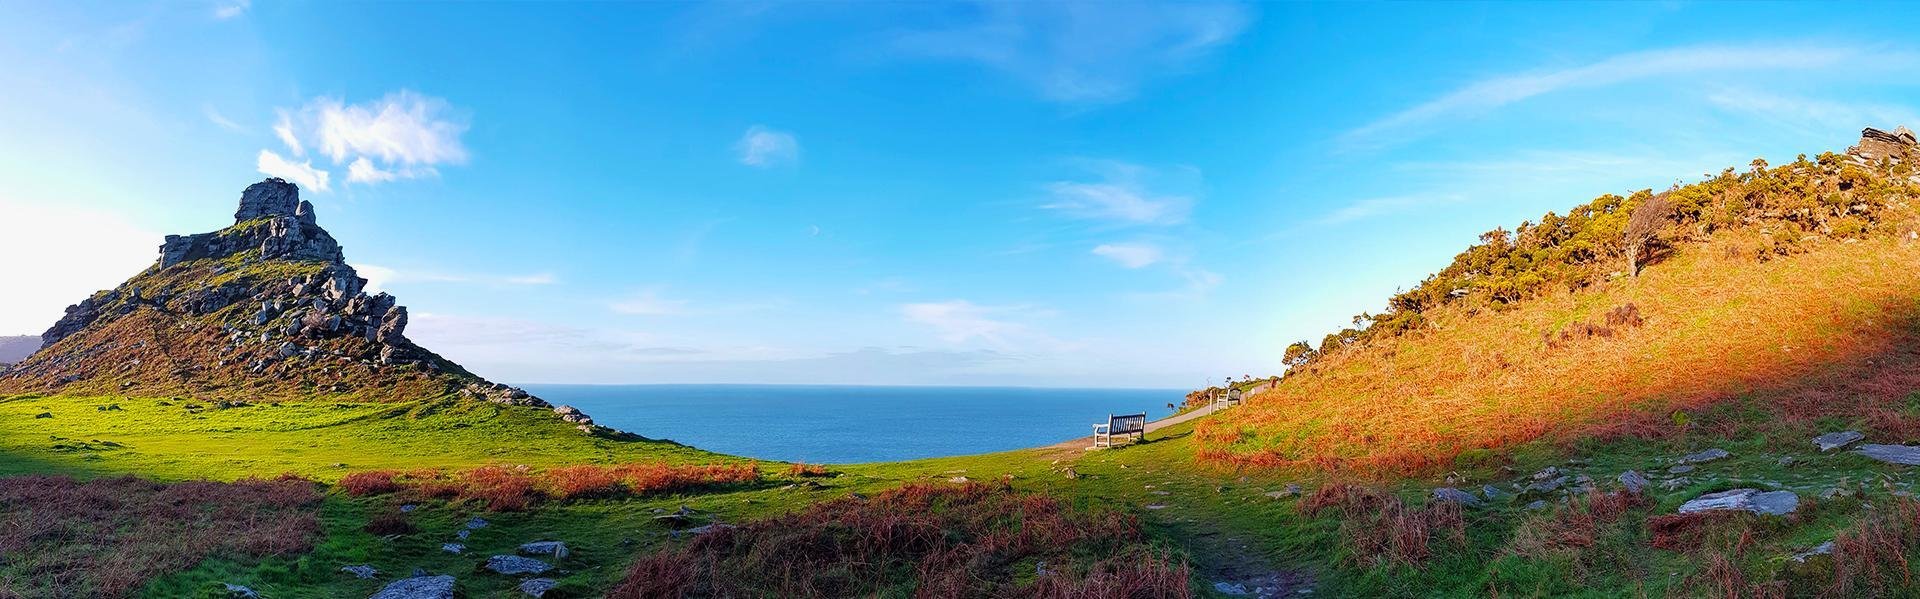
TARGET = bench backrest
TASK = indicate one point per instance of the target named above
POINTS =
(1127, 423)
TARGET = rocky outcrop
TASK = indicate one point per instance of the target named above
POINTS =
(1876, 144)
(267, 306)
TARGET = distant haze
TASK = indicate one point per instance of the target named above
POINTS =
(18, 347)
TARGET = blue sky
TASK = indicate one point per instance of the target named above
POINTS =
(1042, 194)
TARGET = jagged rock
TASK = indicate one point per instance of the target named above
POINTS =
(1876, 144)
(514, 565)
(1907, 455)
(1633, 482)
(556, 549)
(1766, 503)
(1837, 440)
(537, 587)
(267, 199)
(1703, 456)
(418, 587)
(1452, 495)
(362, 571)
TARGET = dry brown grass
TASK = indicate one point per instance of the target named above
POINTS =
(61, 537)
(1829, 331)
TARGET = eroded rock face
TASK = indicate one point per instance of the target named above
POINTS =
(1876, 144)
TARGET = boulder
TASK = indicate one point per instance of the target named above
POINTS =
(1837, 440)
(1452, 495)
(1907, 455)
(1704, 456)
(274, 197)
(418, 587)
(1633, 482)
(1766, 503)
(556, 549)
(514, 565)
(536, 587)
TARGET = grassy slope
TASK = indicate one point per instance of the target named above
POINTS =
(1716, 328)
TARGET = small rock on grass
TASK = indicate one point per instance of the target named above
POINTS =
(1821, 549)
(453, 548)
(476, 523)
(418, 587)
(1452, 495)
(235, 591)
(1766, 503)
(1704, 456)
(556, 549)
(1633, 481)
(1228, 588)
(362, 571)
(536, 587)
(1837, 440)
(1895, 454)
(514, 565)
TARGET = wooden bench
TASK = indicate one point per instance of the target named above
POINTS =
(1125, 425)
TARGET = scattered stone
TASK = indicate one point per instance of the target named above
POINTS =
(1821, 549)
(418, 587)
(476, 523)
(959, 479)
(1546, 473)
(1832, 441)
(1675, 483)
(1704, 456)
(1633, 481)
(1492, 493)
(408, 508)
(1226, 588)
(536, 587)
(1157, 506)
(1681, 469)
(1766, 503)
(514, 565)
(454, 548)
(556, 549)
(1070, 473)
(1788, 462)
(1907, 455)
(703, 529)
(1833, 493)
(362, 571)
(235, 591)
(463, 534)
(1537, 505)
(1452, 495)
(43, 415)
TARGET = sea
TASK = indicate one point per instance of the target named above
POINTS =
(831, 424)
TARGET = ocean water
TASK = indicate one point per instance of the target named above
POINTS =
(847, 424)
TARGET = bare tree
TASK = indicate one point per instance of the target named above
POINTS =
(1643, 228)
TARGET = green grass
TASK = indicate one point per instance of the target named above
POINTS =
(1220, 519)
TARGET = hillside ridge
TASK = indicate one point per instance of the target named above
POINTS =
(264, 309)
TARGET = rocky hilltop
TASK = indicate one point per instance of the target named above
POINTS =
(266, 308)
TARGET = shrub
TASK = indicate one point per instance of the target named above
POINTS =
(1379, 529)
(571, 482)
(393, 523)
(501, 488)
(806, 470)
(372, 482)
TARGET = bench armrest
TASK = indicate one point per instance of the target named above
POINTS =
(1098, 427)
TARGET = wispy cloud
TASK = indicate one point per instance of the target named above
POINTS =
(1118, 193)
(1131, 255)
(381, 278)
(1486, 95)
(403, 135)
(1811, 114)
(231, 9)
(1082, 52)
(649, 303)
(221, 120)
(1385, 206)
(300, 173)
(766, 148)
(1003, 328)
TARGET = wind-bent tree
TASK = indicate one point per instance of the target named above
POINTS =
(1643, 228)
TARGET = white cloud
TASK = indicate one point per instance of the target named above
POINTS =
(1121, 194)
(763, 147)
(302, 173)
(403, 135)
(97, 250)
(960, 321)
(363, 171)
(1812, 114)
(1486, 95)
(1131, 255)
(221, 120)
(380, 278)
(1384, 206)
(649, 303)
(231, 9)
(1083, 52)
